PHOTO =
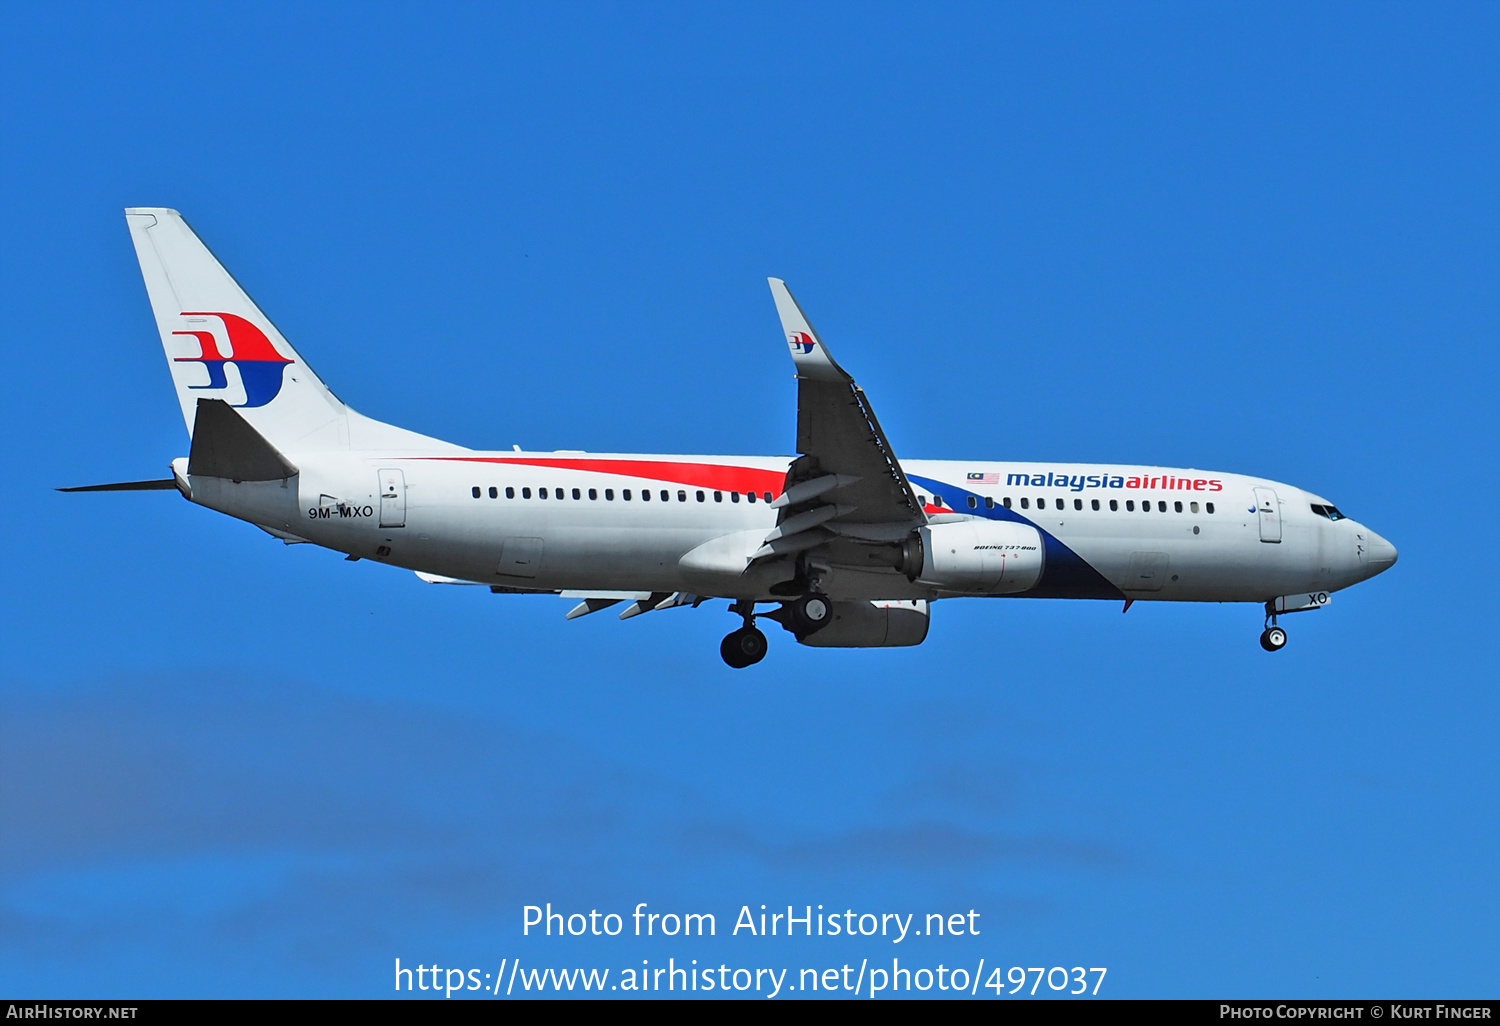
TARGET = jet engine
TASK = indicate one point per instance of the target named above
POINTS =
(872, 625)
(992, 557)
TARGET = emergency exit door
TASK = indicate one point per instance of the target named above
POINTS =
(1268, 511)
(392, 498)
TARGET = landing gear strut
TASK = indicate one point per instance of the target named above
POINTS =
(1273, 638)
(746, 646)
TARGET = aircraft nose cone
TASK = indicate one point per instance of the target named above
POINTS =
(1382, 553)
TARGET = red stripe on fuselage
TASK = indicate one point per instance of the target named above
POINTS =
(697, 475)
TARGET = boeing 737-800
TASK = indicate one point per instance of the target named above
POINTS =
(846, 544)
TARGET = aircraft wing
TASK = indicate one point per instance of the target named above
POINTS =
(846, 463)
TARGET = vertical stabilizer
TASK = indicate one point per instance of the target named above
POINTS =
(219, 344)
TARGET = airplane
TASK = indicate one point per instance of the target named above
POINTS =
(848, 545)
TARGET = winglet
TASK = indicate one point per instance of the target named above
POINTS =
(812, 358)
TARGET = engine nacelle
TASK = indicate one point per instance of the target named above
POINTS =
(992, 557)
(872, 625)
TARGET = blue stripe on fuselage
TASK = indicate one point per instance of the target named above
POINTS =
(1065, 574)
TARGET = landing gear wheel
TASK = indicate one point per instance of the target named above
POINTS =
(1273, 639)
(744, 647)
(812, 612)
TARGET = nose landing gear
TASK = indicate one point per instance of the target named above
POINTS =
(1273, 638)
(746, 646)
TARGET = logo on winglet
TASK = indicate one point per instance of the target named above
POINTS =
(801, 342)
(259, 364)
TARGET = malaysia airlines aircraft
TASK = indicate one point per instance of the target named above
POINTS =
(849, 545)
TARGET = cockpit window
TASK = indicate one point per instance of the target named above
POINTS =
(1331, 512)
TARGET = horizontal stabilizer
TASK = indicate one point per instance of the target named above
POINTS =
(225, 445)
(164, 485)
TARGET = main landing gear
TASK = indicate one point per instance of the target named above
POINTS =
(746, 646)
(804, 615)
(1273, 638)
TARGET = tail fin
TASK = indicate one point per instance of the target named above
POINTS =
(220, 346)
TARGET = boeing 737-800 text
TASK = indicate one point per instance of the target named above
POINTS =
(847, 544)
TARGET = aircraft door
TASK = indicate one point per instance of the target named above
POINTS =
(1147, 571)
(392, 498)
(520, 557)
(1268, 511)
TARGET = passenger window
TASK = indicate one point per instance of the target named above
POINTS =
(510, 493)
(525, 493)
(1161, 507)
(718, 496)
(1007, 502)
(700, 495)
(1094, 505)
(1078, 504)
(577, 494)
(750, 496)
(1208, 506)
(1041, 504)
(989, 502)
(645, 495)
(494, 492)
(681, 495)
(922, 499)
(476, 491)
(1129, 505)
(973, 502)
(609, 495)
(1177, 506)
(560, 494)
(593, 495)
(541, 493)
(937, 500)
(766, 496)
(1193, 506)
(625, 495)
(1114, 505)
(666, 496)
(1025, 502)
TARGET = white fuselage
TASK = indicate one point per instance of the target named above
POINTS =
(555, 522)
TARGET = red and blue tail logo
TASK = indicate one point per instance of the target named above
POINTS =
(259, 364)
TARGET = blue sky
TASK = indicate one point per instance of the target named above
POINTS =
(1258, 238)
